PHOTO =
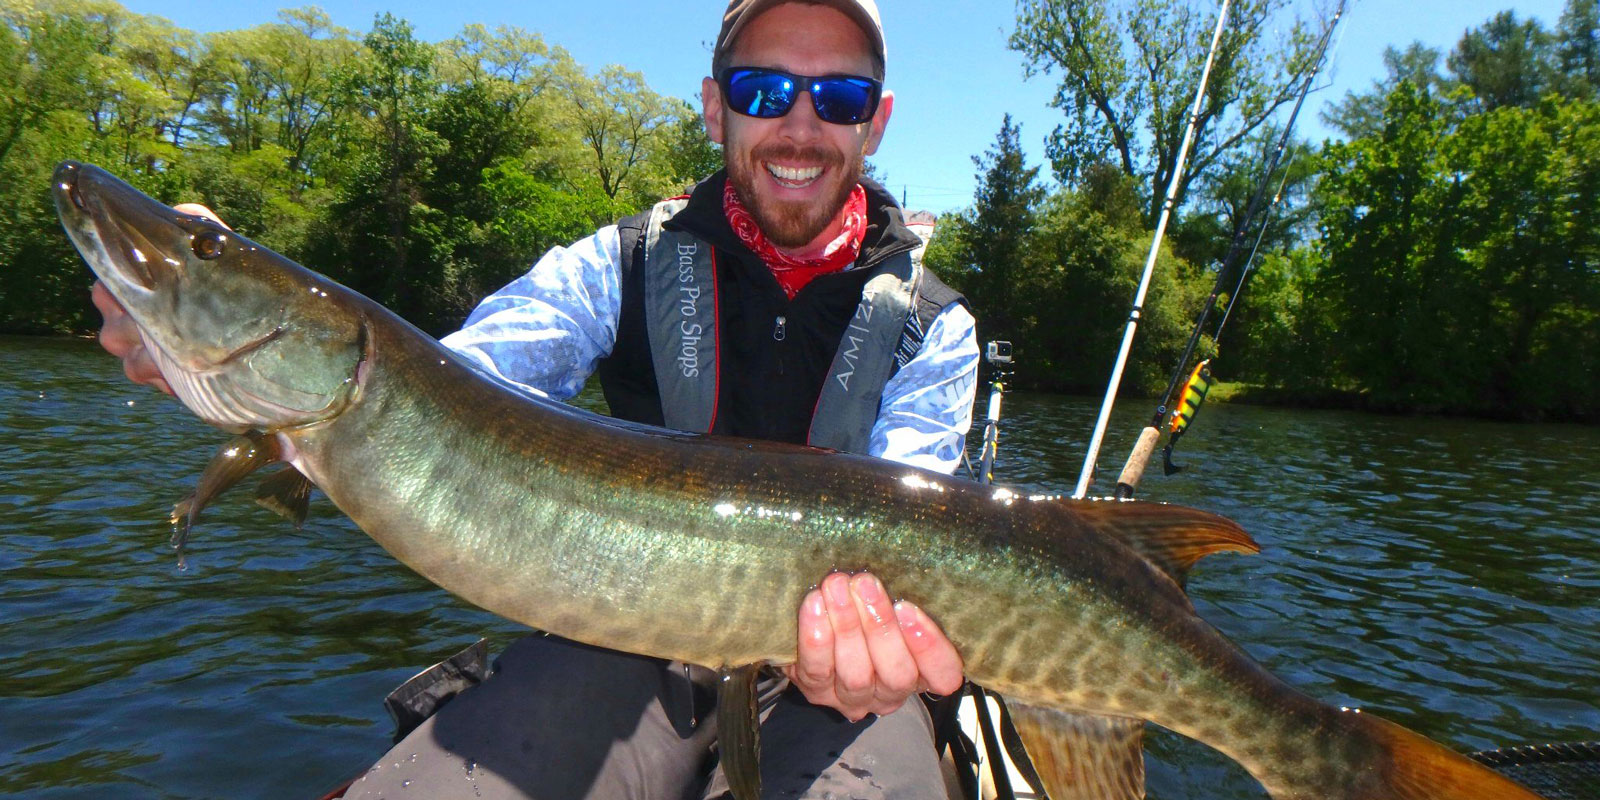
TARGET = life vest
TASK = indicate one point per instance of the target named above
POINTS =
(681, 318)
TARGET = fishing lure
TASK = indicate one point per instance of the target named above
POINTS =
(1194, 393)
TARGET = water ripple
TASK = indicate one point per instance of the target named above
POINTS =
(1443, 573)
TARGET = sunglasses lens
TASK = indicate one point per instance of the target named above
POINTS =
(767, 93)
(846, 101)
(758, 93)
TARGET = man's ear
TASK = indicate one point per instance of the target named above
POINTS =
(711, 106)
(880, 120)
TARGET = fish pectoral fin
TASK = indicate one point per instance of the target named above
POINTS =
(739, 730)
(286, 493)
(1082, 756)
(237, 458)
(1171, 537)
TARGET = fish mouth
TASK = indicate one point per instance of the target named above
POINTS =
(142, 251)
(111, 250)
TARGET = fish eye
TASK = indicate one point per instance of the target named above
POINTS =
(208, 244)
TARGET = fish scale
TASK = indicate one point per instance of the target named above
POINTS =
(700, 549)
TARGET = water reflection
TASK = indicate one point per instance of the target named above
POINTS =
(1443, 573)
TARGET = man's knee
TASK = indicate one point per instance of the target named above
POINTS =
(808, 751)
(569, 720)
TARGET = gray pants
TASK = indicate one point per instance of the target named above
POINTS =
(561, 721)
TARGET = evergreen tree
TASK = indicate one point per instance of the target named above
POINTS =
(1578, 48)
(1360, 114)
(996, 230)
(1506, 62)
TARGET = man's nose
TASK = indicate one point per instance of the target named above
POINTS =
(802, 121)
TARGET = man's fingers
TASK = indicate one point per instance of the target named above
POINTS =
(938, 664)
(117, 334)
(813, 669)
(141, 368)
(895, 672)
(852, 663)
(200, 211)
(860, 653)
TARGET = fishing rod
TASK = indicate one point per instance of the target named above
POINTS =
(1250, 260)
(1150, 262)
(998, 353)
(1200, 379)
(987, 746)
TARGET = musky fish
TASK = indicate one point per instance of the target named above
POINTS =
(597, 530)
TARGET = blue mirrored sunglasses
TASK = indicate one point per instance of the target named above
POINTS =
(770, 93)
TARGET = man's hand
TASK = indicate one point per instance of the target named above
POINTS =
(860, 653)
(120, 336)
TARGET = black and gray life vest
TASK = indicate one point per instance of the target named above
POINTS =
(680, 299)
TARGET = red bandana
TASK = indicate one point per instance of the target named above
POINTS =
(794, 273)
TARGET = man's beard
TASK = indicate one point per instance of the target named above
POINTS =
(792, 225)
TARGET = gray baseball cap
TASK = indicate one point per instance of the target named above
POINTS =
(740, 12)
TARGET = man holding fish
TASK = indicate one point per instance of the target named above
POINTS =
(782, 299)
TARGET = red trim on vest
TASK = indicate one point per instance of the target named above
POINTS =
(818, 404)
(716, 369)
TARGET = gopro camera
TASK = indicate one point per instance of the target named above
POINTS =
(998, 352)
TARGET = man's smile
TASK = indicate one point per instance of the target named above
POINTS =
(793, 177)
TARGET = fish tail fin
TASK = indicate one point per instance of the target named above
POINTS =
(1415, 767)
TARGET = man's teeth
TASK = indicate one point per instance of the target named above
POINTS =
(794, 173)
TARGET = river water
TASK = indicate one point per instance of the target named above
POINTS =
(1442, 573)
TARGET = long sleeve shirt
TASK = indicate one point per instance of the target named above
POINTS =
(546, 331)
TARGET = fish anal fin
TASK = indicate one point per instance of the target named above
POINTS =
(286, 493)
(1171, 537)
(1082, 756)
(739, 730)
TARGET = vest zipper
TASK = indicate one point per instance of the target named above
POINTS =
(778, 332)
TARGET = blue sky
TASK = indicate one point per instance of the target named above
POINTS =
(953, 77)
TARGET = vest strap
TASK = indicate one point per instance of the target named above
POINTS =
(680, 303)
(848, 405)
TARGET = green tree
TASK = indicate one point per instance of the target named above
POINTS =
(1128, 72)
(1505, 62)
(1360, 114)
(276, 84)
(987, 264)
(1474, 239)
(1081, 272)
(1578, 49)
(45, 61)
(617, 119)
(1206, 233)
(384, 240)
(685, 152)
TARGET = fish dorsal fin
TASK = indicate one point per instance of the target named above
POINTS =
(1171, 537)
(1082, 756)
(286, 493)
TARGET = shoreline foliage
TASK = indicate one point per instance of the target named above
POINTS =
(1442, 256)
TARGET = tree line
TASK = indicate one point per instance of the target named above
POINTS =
(1440, 258)
(421, 174)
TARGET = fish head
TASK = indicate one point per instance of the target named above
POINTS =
(246, 338)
